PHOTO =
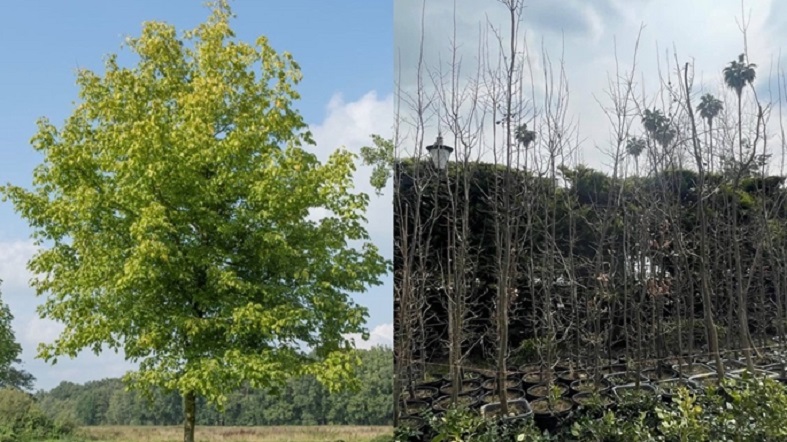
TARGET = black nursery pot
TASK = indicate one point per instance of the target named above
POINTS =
(758, 373)
(511, 382)
(624, 378)
(570, 376)
(542, 390)
(417, 427)
(468, 387)
(477, 375)
(519, 409)
(422, 393)
(669, 387)
(588, 400)
(660, 374)
(613, 368)
(534, 378)
(621, 392)
(444, 403)
(492, 396)
(434, 384)
(414, 407)
(589, 385)
(549, 420)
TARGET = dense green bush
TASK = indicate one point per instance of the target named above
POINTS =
(744, 410)
(21, 419)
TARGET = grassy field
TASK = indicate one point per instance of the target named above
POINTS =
(235, 434)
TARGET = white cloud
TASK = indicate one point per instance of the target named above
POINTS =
(379, 335)
(14, 256)
(40, 330)
(349, 125)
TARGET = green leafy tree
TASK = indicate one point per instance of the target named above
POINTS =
(658, 127)
(634, 147)
(738, 75)
(11, 376)
(709, 109)
(381, 157)
(173, 210)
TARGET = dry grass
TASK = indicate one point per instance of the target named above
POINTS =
(235, 434)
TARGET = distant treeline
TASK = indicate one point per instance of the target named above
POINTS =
(302, 402)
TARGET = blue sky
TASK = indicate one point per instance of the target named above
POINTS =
(344, 48)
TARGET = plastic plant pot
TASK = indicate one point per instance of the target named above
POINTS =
(518, 409)
(570, 376)
(765, 362)
(414, 407)
(473, 374)
(542, 390)
(624, 393)
(444, 403)
(624, 378)
(415, 426)
(591, 400)
(436, 383)
(705, 380)
(669, 388)
(589, 385)
(529, 368)
(614, 368)
(511, 382)
(535, 378)
(469, 387)
(548, 414)
(422, 393)
(777, 367)
(729, 364)
(739, 374)
(660, 374)
(492, 396)
(696, 369)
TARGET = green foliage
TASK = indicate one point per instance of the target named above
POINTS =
(611, 428)
(381, 156)
(460, 424)
(10, 376)
(173, 210)
(22, 420)
(456, 424)
(739, 74)
(300, 401)
(746, 410)
(683, 422)
(709, 107)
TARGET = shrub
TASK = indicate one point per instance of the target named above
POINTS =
(21, 419)
(747, 409)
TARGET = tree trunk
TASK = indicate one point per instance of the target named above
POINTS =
(710, 327)
(190, 412)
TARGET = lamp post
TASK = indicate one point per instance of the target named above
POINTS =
(440, 153)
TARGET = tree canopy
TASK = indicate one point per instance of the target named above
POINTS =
(174, 208)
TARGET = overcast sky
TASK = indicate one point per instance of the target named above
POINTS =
(345, 56)
(587, 33)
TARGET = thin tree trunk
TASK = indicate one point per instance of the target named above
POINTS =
(190, 414)
(710, 327)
